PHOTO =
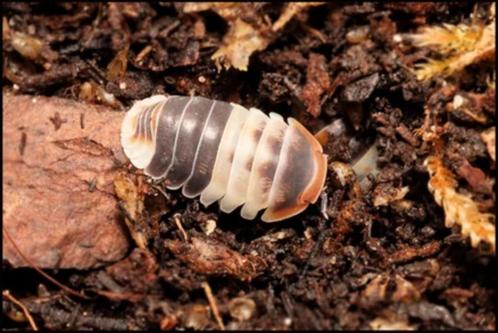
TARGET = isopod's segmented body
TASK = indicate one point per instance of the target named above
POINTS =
(225, 152)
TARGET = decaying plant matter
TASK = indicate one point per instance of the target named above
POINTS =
(459, 208)
(243, 38)
(460, 45)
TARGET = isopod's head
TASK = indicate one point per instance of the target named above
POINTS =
(137, 135)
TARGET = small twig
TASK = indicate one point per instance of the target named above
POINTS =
(36, 268)
(24, 309)
(178, 223)
(212, 303)
(142, 54)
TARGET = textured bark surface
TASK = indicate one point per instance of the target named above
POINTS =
(60, 158)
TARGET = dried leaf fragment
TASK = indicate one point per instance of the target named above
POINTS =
(239, 43)
(459, 208)
(376, 290)
(128, 191)
(197, 316)
(249, 31)
(28, 46)
(117, 67)
(405, 291)
(242, 38)
(133, 203)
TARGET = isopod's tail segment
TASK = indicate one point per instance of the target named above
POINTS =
(300, 174)
(138, 130)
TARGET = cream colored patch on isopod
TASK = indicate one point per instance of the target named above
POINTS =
(227, 153)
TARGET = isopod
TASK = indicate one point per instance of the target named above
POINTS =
(226, 153)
